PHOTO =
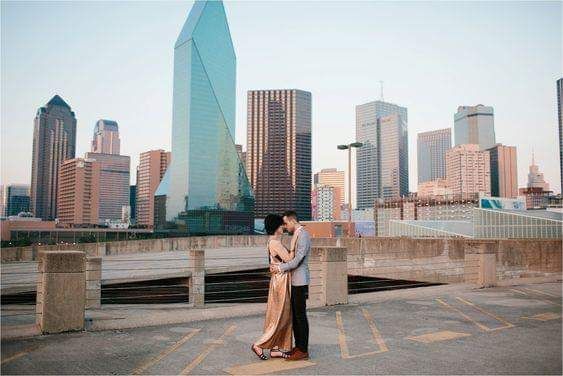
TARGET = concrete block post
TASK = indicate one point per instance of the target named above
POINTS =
(196, 260)
(480, 262)
(93, 282)
(329, 276)
(61, 291)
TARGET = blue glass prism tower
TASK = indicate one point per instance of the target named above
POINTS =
(205, 189)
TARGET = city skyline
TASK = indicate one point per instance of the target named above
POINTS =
(535, 94)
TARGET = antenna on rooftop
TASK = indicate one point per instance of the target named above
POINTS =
(381, 89)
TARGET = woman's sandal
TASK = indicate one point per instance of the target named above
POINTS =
(261, 356)
(282, 354)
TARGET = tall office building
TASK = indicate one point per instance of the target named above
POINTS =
(152, 166)
(431, 154)
(78, 200)
(468, 171)
(114, 184)
(279, 150)
(106, 137)
(334, 178)
(133, 202)
(475, 125)
(560, 118)
(15, 199)
(504, 172)
(2, 201)
(206, 190)
(54, 140)
(535, 177)
(382, 128)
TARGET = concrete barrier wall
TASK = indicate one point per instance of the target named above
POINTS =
(420, 259)
(14, 254)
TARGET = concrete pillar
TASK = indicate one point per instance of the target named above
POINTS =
(93, 282)
(196, 262)
(61, 291)
(480, 262)
(329, 276)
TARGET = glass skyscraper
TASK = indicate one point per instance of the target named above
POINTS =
(206, 189)
(382, 162)
(475, 125)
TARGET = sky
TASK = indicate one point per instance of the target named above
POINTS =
(114, 60)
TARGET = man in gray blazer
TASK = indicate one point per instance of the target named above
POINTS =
(299, 267)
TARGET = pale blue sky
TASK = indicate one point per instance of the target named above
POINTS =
(114, 60)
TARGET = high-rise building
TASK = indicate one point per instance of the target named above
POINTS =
(206, 190)
(434, 188)
(334, 178)
(15, 199)
(560, 117)
(504, 172)
(106, 137)
(78, 192)
(535, 177)
(133, 202)
(326, 202)
(152, 166)
(475, 125)
(54, 140)
(431, 154)
(2, 201)
(382, 161)
(114, 184)
(393, 157)
(468, 170)
(279, 150)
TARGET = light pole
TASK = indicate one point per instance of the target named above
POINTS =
(349, 147)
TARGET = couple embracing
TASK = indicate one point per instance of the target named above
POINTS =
(286, 308)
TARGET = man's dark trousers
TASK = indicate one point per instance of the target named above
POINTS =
(299, 316)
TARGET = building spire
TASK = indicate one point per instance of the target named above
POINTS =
(381, 90)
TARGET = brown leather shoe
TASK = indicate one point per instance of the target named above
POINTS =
(297, 354)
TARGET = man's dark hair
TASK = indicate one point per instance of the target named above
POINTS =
(272, 222)
(291, 214)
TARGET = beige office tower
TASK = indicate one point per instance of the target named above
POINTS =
(333, 178)
(152, 166)
(468, 170)
(504, 172)
(106, 137)
(78, 191)
(114, 184)
(475, 125)
(279, 151)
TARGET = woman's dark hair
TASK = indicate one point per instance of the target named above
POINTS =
(272, 222)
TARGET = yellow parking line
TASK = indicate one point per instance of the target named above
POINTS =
(506, 323)
(208, 350)
(344, 352)
(17, 355)
(544, 316)
(536, 298)
(164, 353)
(342, 337)
(376, 335)
(481, 326)
(541, 292)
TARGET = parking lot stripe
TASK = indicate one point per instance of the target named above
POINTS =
(444, 335)
(541, 292)
(375, 332)
(544, 316)
(164, 353)
(210, 347)
(536, 298)
(17, 355)
(496, 317)
(378, 339)
(342, 337)
(481, 326)
(267, 368)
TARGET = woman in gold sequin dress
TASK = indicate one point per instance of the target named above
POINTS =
(277, 335)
